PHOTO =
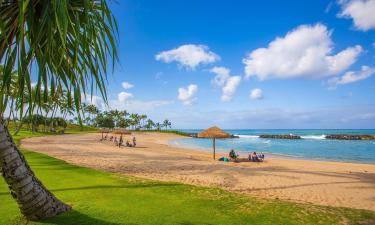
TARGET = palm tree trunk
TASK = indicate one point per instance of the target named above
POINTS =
(34, 200)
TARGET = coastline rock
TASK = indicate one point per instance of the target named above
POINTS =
(350, 137)
(280, 136)
(195, 135)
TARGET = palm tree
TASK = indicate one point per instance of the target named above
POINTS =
(143, 117)
(117, 116)
(149, 124)
(68, 44)
(158, 126)
(134, 120)
(92, 110)
(167, 124)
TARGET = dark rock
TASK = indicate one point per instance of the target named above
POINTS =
(350, 137)
(280, 136)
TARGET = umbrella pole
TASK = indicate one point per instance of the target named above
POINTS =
(213, 142)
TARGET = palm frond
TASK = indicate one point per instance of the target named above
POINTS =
(67, 43)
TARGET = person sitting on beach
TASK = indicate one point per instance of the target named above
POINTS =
(111, 138)
(254, 157)
(128, 144)
(233, 155)
(261, 156)
(134, 142)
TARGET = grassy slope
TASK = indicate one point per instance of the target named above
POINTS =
(104, 198)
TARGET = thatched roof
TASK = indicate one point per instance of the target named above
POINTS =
(121, 131)
(213, 132)
(104, 130)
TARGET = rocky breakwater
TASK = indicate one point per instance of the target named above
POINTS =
(280, 136)
(195, 135)
(350, 137)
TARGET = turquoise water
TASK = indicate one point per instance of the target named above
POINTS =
(313, 145)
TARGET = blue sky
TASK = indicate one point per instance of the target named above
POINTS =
(247, 64)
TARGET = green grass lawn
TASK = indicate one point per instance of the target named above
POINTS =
(105, 198)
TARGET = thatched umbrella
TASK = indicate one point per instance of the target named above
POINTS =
(103, 130)
(121, 131)
(213, 132)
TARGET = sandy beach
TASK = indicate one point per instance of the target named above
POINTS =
(324, 183)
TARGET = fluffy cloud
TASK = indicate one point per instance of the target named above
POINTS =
(303, 52)
(230, 88)
(186, 95)
(361, 11)
(189, 56)
(222, 75)
(125, 101)
(352, 76)
(228, 83)
(94, 100)
(127, 85)
(256, 94)
(124, 96)
(138, 106)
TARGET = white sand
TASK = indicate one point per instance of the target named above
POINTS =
(325, 183)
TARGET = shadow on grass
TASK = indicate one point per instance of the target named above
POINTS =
(75, 217)
(149, 185)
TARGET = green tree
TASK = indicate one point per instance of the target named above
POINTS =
(142, 118)
(104, 120)
(117, 116)
(67, 43)
(149, 124)
(135, 119)
(92, 111)
(158, 126)
(167, 123)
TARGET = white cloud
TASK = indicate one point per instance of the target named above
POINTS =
(256, 94)
(124, 96)
(352, 76)
(305, 52)
(125, 101)
(127, 85)
(230, 88)
(189, 56)
(94, 100)
(222, 75)
(138, 106)
(361, 11)
(186, 95)
(228, 83)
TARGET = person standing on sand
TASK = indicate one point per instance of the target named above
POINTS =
(134, 142)
(120, 141)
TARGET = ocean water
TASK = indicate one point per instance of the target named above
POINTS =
(313, 144)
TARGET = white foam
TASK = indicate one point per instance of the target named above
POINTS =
(317, 137)
(248, 136)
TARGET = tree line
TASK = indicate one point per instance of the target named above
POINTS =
(121, 119)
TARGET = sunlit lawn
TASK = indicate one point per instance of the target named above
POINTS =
(105, 198)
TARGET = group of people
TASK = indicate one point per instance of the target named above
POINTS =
(253, 157)
(120, 141)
